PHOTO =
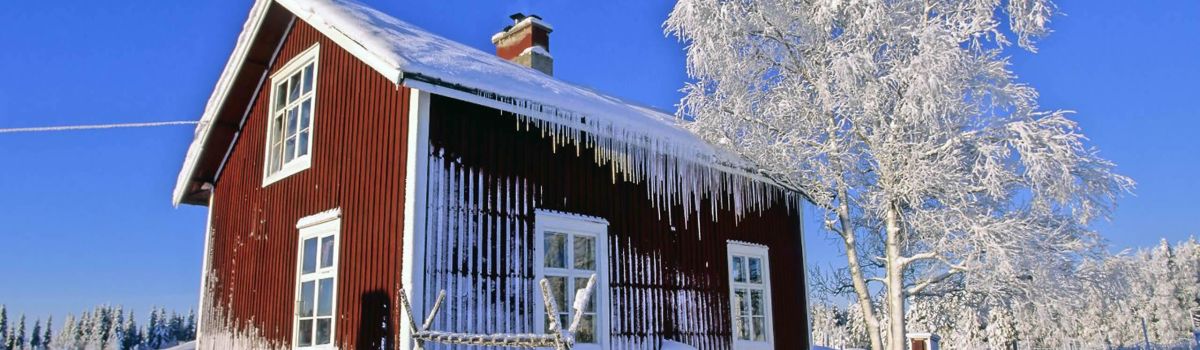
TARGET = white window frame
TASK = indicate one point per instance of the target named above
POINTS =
(316, 226)
(574, 225)
(756, 251)
(303, 162)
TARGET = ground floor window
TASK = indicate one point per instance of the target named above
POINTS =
(750, 295)
(316, 281)
(570, 248)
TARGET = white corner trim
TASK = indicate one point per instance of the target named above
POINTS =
(319, 218)
(416, 167)
(204, 263)
(804, 265)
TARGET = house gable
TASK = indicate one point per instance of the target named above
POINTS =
(358, 167)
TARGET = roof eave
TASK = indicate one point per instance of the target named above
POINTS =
(189, 184)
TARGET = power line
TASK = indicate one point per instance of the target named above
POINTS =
(96, 126)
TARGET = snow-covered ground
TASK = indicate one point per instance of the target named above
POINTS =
(184, 346)
(673, 345)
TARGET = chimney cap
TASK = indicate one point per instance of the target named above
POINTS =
(518, 17)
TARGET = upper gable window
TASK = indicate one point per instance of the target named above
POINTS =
(289, 131)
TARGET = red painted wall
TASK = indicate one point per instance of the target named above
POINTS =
(358, 164)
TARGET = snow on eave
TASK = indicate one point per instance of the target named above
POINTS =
(215, 101)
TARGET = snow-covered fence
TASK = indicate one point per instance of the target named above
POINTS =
(556, 338)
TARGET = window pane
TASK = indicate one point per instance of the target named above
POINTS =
(303, 151)
(755, 265)
(741, 305)
(587, 329)
(326, 251)
(758, 329)
(305, 113)
(580, 284)
(308, 77)
(276, 153)
(556, 250)
(306, 299)
(323, 330)
(756, 303)
(294, 87)
(309, 259)
(563, 321)
(292, 114)
(305, 333)
(743, 328)
(280, 95)
(325, 297)
(558, 287)
(276, 124)
(738, 270)
(289, 149)
(585, 253)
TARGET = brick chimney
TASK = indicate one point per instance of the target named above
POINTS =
(526, 42)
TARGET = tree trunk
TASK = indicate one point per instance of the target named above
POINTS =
(895, 281)
(856, 273)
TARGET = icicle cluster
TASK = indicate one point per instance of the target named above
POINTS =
(676, 172)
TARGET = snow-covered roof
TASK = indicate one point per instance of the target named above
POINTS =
(413, 57)
(401, 49)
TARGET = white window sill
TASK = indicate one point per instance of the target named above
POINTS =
(292, 167)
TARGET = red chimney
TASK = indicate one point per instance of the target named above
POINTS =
(526, 42)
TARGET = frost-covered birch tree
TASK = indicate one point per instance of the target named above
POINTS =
(903, 121)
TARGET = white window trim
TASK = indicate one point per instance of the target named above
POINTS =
(316, 225)
(545, 220)
(755, 250)
(301, 163)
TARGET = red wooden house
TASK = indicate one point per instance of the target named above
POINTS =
(345, 153)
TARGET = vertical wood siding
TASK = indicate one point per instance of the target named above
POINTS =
(668, 278)
(359, 145)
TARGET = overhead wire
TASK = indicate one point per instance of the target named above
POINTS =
(95, 126)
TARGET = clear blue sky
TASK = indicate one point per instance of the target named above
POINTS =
(86, 216)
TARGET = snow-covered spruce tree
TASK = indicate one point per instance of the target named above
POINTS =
(47, 336)
(130, 336)
(35, 338)
(175, 328)
(115, 337)
(65, 338)
(3, 327)
(83, 330)
(829, 326)
(101, 324)
(190, 326)
(902, 121)
(17, 339)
